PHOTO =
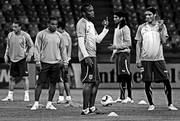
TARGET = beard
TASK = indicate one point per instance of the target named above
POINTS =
(52, 29)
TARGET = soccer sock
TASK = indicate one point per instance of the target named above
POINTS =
(49, 103)
(68, 98)
(10, 94)
(129, 86)
(36, 103)
(52, 88)
(26, 92)
(168, 91)
(61, 98)
(148, 92)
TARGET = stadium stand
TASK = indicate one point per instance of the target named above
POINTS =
(35, 14)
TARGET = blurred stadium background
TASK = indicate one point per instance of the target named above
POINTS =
(35, 14)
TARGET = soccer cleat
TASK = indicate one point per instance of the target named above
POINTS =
(118, 100)
(8, 98)
(172, 107)
(26, 98)
(35, 107)
(85, 112)
(50, 106)
(151, 107)
(127, 100)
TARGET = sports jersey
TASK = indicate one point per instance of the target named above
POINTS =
(122, 39)
(151, 49)
(50, 47)
(86, 30)
(18, 46)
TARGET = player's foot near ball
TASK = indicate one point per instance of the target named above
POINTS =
(127, 100)
(50, 106)
(35, 107)
(96, 111)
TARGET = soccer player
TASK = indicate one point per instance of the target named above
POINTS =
(150, 37)
(64, 75)
(121, 51)
(18, 52)
(87, 39)
(50, 52)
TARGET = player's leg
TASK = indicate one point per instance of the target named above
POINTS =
(54, 78)
(23, 73)
(148, 91)
(161, 73)
(38, 86)
(61, 86)
(87, 88)
(86, 78)
(67, 90)
(9, 97)
(14, 72)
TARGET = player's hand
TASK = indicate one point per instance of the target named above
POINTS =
(112, 58)
(28, 58)
(89, 61)
(112, 47)
(38, 66)
(6, 59)
(105, 23)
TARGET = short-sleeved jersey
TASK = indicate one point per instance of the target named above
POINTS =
(122, 37)
(17, 46)
(151, 49)
(87, 30)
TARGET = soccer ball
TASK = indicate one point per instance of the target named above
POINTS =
(106, 100)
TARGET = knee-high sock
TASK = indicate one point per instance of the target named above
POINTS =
(168, 92)
(128, 81)
(148, 92)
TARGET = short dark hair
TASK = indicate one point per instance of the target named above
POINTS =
(17, 21)
(152, 9)
(52, 18)
(61, 24)
(124, 15)
(84, 7)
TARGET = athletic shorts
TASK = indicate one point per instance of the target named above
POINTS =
(155, 71)
(49, 72)
(19, 69)
(90, 74)
(123, 63)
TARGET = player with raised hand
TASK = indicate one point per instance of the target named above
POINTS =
(87, 39)
(150, 37)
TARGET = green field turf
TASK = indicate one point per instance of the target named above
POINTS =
(20, 111)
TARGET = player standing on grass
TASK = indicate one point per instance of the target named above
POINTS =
(87, 39)
(150, 38)
(19, 51)
(121, 50)
(50, 52)
(65, 76)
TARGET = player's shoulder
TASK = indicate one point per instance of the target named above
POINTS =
(23, 33)
(81, 22)
(141, 26)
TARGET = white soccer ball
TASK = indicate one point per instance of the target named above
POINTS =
(106, 100)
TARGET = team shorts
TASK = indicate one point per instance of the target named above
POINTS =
(123, 63)
(90, 74)
(49, 72)
(19, 69)
(155, 71)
